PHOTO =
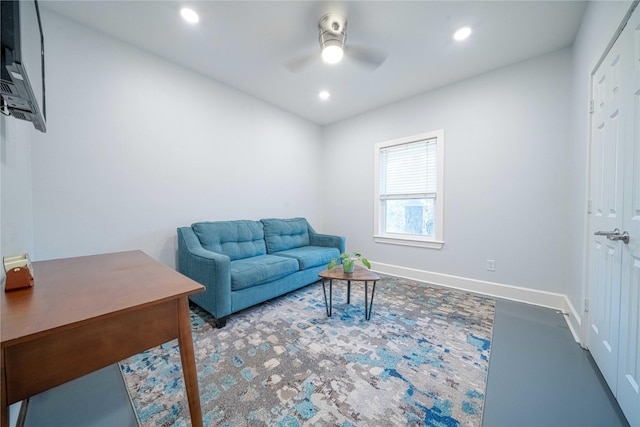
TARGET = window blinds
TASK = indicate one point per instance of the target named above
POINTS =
(409, 170)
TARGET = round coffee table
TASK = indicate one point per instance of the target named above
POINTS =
(360, 274)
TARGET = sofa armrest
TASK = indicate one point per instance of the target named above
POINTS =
(211, 269)
(328, 240)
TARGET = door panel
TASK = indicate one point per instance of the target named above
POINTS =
(628, 391)
(604, 319)
(608, 143)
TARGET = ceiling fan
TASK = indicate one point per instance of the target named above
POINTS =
(333, 34)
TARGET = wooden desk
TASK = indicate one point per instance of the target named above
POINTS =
(89, 312)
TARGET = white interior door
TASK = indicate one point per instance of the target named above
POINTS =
(607, 168)
(614, 250)
(628, 392)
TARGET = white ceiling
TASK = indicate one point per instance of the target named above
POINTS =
(245, 44)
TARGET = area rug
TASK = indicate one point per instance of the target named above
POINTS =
(422, 359)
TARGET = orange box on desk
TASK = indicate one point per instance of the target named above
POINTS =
(18, 271)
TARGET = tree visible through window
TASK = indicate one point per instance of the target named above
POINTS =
(409, 194)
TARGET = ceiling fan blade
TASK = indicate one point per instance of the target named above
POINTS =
(372, 58)
(296, 65)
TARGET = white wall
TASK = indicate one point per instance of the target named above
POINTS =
(507, 136)
(600, 21)
(15, 202)
(137, 146)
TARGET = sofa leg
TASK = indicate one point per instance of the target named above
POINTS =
(220, 323)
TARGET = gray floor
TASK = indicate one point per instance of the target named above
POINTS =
(538, 376)
(95, 400)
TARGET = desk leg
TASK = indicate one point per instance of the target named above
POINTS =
(4, 407)
(189, 362)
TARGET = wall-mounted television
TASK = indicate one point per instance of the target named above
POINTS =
(22, 84)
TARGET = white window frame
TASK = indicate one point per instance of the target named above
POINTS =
(379, 235)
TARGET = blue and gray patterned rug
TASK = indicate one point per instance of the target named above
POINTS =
(421, 360)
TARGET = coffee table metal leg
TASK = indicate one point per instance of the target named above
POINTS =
(366, 306)
(373, 291)
(327, 305)
(348, 291)
(330, 296)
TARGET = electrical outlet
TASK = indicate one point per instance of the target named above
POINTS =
(491, 265)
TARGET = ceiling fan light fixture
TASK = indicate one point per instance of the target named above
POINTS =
(332, 53)
(332, 36)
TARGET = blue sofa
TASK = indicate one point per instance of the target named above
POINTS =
(242, 263)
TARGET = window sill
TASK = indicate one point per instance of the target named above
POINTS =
(431, 244)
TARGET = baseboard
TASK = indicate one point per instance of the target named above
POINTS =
(551, 300)
(574, 321)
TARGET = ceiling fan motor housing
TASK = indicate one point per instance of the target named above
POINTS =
(333, 30)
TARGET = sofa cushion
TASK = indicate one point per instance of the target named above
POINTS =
(283, 234)
(311, 256)
(260, 269)
(236, 239)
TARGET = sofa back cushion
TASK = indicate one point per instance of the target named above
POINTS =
(236, 239)
(283, 234)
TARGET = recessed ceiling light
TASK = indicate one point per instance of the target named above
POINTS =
(324, 95)
(462, 33)
(189, 15)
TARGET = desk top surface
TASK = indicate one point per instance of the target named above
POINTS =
(71, 291)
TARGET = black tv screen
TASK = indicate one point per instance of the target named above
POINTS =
(22, 85)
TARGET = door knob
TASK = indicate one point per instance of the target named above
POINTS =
(607, 233)
(624, 237)
(614, 235)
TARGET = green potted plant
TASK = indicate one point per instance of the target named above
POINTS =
(349, 262)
